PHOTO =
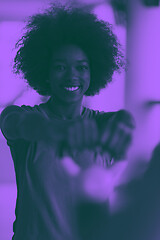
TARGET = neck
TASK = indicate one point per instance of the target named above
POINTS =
(66, 110)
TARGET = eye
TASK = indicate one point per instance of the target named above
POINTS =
(82, 67)
(59, 68)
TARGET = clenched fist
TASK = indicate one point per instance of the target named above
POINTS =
(83, 134)
(116, 135)
(113, 136)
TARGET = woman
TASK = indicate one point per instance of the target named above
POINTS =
(66, 53)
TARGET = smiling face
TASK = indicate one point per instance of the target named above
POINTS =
(69, 74)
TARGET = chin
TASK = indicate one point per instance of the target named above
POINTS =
(71, 100)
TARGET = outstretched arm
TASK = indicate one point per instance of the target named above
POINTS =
(16, 123)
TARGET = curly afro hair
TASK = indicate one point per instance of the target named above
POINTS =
(61, 25)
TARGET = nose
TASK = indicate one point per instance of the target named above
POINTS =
(72, 73)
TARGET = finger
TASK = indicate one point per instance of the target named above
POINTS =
(125, 135)
(118, 139)
(83, 134)
(109, 139)
(107, 158)
(105, 136)
(90, 134)
(123, 146)
(110, 127)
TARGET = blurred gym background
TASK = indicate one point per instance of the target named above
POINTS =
(136, 24)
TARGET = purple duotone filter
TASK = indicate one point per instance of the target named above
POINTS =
(136, 24)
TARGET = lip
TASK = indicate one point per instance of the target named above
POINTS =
(71, 85)
(72, 92)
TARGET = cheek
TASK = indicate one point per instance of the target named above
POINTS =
(56, 79)
(56, 75)
(88, 79)
(88, 83)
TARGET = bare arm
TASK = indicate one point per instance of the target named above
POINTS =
(15, 123)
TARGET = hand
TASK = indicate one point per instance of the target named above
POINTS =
(82, 134)
(116, 137)
(99, 183)
(95, 182)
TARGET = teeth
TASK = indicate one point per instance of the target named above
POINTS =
(71, 88)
